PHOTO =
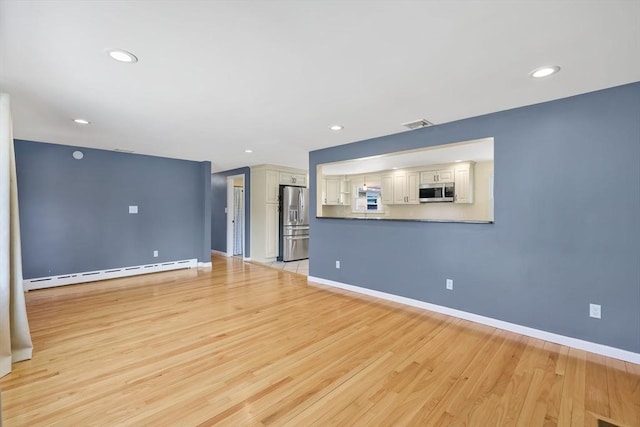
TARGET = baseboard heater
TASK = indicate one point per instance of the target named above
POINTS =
(112, 273)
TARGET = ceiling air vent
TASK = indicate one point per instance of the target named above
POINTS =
(422, 123)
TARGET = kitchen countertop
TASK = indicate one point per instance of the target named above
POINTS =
(369, 218)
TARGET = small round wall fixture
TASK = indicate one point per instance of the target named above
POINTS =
(78, 155)
(547, 71)
(122, 56)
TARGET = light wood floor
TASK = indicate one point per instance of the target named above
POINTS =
(244, 345)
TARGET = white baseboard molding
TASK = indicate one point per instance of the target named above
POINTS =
(112, 273)
(579, 344)
(213, 251)
(204, 264)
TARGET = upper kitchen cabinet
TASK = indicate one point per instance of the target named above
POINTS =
(387, 193)
(271, 186)
(295, 179)
(464, 179)
(405, 188)
(331, 190)
(335, 191)
(436, 176)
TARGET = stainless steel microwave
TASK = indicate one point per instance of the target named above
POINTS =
(438, 192)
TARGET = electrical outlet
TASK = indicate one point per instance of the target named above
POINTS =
(595, 311)
(337, 264)
(133, 209)
(155, 254)
(450, 284)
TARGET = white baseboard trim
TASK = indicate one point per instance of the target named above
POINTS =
(213, 251)
(204, 264)
(112, 273)
(579, 344)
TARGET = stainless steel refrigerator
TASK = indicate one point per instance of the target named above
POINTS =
(294, 223)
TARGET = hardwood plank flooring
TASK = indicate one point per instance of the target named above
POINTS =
(247, 345)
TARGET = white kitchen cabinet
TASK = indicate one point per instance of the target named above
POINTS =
(435, 176)
(335, 191)
(265, 186)
(464, 179)
(413, 188)
(386, 195)
(345, 193)
(271, 186)
(405, 188)
(332, 191)
(271, 231)
(296, 179)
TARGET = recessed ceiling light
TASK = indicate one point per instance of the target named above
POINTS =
(458, 161)
(248, 151)
(336, 127)
(122, 55)
(81, 121)
(544, 71)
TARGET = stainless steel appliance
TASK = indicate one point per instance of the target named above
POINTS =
(438, 192)
(294, 223)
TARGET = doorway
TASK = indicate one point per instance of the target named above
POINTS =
(235, 216)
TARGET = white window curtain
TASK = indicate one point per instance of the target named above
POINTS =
(15, 338)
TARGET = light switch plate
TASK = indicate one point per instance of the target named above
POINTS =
(133, 209)
(449, 284)
(155, 254)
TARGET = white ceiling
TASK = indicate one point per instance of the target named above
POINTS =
(217, 77)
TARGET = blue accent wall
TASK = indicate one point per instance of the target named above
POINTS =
(566, 232)
(74, 214)
(219, 202)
